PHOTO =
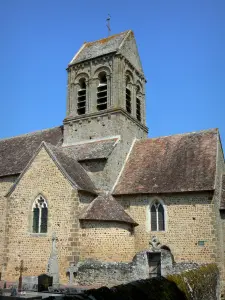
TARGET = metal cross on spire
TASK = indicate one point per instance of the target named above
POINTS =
(108, 24)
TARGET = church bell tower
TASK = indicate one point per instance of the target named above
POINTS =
(106, 91)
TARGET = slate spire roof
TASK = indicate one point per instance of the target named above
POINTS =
(100, 47)
(106, 208)
(177, 163)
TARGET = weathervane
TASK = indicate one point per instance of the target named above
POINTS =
(108, 24)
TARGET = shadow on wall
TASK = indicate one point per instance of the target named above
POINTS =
(150, 289)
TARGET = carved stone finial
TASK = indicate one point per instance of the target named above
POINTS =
(154, 244)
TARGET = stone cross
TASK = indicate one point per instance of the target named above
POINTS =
(72, 269)
(53, 266)
(22, 269)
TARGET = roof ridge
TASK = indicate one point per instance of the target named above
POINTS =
(29, 133)
(106, 38)
(180, 134)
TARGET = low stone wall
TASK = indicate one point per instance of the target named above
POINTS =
(91, 272)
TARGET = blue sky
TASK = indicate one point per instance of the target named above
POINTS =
(181, 44)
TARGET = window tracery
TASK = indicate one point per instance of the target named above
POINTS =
(40, 215)
(157, 216)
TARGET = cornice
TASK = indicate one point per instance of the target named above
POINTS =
(71, 119)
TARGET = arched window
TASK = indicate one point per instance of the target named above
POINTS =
(128, 94)
(157, 217)
(138, 104)
(81, 97)
(102, 92)
(40, 215)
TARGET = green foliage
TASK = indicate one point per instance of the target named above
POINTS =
(195, 283)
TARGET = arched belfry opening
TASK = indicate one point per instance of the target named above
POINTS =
(128, 94)
(102, 92)
(81, 97)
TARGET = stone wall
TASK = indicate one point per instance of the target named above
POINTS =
(188, 218)
(107, 125)
(42, 177)
(195, 281)
(106, 241)
(5, 183)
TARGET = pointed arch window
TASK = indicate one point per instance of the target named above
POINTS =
(40, 215)
(102, 91)
(128, 94)
(81, 97)
(157, 216)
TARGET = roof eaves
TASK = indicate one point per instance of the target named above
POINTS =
(87, 59)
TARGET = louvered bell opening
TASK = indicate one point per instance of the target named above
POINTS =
(138, 109)
(128, 100)
(81, 102)
(36, 213)
(153, 218)
(161, 220)
(102, 96)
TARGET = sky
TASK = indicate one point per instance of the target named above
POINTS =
(181, 44)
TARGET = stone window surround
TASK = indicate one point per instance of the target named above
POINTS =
(148, 214)
(35, 202)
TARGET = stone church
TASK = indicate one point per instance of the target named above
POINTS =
(100, 185)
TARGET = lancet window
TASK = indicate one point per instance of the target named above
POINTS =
(81, 97)
(157, 217)
(40, 215)
(102, 92)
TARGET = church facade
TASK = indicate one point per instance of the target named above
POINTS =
(100, 185)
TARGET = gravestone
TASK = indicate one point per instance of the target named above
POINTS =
(53, 266)
(30, 283)
(44, 282)
(71, 270)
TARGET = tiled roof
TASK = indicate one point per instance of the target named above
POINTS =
(94, 150)
(17, 151)
(71, 169)
(106, 208)
(222, 203)
(74, 171)
(178, 163)
(97, 48)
